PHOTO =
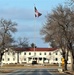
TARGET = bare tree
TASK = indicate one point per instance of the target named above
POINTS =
(22, 42)
(59, 30)
(70, 4)
(7, 27)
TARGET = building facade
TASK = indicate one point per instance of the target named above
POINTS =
(28, 55)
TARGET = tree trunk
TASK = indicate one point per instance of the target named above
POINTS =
(0, 57)
(72, 62)
(66, 59)
(65, 56)
(1, 54)
(18, 57)
(65, 67)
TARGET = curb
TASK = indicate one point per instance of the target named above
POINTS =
(69, 73)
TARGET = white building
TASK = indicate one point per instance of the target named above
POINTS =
(28, 55)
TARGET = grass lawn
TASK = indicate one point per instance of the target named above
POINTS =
(27, 66)
(6, 71)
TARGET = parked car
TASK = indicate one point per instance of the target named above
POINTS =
(34, 62)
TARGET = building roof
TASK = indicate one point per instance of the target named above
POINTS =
(36, 49)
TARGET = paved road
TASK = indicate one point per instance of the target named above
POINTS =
(34, 72)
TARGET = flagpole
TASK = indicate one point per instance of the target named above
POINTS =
(37, 14)
(34, 33)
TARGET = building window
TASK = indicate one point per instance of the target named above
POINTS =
(3, 59)
(56, 59)
(44, 59)
(8, 59)
(29, 53)
(40, 59)
(35, 53)
(24, 59)
(40, 53)
(56, 53)
(13, 59)
(30, 59)
(24, 53)
(49, 53)
(13, 53)
(44, 53)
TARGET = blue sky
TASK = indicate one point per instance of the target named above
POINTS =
(22, 12)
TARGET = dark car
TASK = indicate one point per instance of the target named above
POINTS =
(34, 62)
